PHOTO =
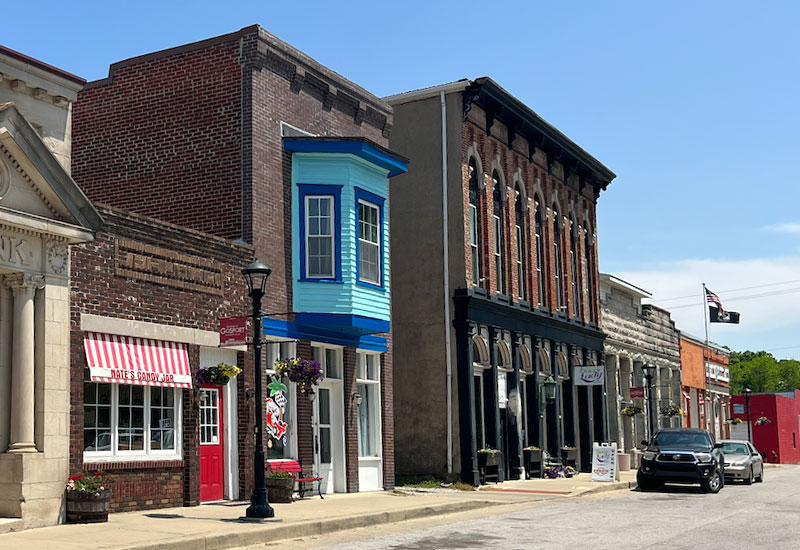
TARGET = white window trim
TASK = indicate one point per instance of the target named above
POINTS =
(378, 417)
(498, 254)
(115, 455)
(323, 363)
(332, 236)
(376, 244)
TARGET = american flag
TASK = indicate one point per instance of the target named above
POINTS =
(712, 298)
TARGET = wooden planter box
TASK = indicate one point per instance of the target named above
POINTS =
(280, 489)
(88, 508)
(489, 465)
(534, 463)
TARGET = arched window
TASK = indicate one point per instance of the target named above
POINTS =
(573, 256)
(590, 272)
(539, 251)
(521, 248)
(475, 223)
(557, 274)
(498, 232)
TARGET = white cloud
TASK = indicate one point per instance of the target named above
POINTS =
(784, 228)
(770, 321)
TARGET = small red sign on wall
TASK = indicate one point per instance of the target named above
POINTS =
(232, 331)
(637, 392)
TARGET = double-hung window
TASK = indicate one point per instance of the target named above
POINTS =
(369, 247)
(319, 236)
(124, 420)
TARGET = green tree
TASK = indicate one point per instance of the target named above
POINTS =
(789, 375)
(758, 371)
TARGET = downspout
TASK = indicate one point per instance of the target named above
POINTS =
(446, 252)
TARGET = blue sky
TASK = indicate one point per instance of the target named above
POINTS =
(692, 104)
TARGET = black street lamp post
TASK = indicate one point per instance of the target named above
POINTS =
(747, 392)
(648, 371)
(257, 274)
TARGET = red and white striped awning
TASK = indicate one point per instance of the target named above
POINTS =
(140, 361)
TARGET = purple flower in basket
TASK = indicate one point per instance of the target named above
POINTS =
(302, 372)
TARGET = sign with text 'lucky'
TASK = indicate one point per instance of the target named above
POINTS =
(590, 375)
(604, 462)
(232, 331)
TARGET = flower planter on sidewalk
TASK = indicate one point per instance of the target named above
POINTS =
(88, 507)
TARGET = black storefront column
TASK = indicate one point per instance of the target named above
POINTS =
(601, 405)
(515, 413)
(494, 434)
(466, 403)
(584, 425)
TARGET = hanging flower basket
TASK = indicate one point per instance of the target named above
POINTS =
(762, 421)
(218, 375)
(735, 421)
(631, 411)
(306, 374)
(671, 410)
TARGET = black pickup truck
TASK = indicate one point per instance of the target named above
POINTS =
(682, 455)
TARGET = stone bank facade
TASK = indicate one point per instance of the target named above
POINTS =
(42, 214)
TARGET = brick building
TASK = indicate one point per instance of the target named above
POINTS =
(503, 292)
(705, 379)
(155, 291)
(42, 214)
(247, 139)
(778, 440)
(636, 335)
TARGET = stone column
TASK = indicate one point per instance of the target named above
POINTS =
(23, 287)
(612, 398)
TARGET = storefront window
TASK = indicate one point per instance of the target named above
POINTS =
(281, 407)
(368, 387)
(123, 420)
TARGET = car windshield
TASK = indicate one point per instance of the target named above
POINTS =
(693, 441)
(734, 449)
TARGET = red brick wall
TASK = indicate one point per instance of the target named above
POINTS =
(779, 440)
(350, 420)
(162, 137)
(96, 289)
(570, 201)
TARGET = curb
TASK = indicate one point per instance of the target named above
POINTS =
(274, 531)
(606, 488)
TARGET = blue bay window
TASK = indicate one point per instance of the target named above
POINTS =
(341, 236)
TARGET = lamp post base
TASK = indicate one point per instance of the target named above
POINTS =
(259, 512)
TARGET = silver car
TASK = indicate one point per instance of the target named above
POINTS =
(742, 461)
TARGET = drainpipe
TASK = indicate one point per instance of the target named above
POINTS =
(446, 252)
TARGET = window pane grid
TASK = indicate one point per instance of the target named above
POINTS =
(368, 243)
(319, 236)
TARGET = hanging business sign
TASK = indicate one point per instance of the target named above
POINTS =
(637, 392)
(590, 375)
(604, 462)
(232, 331)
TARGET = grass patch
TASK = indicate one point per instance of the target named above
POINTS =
(461, 486)
(418, 482)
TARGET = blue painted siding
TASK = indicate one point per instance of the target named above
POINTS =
(345, 297)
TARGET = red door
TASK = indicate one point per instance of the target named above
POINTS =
(212, 464)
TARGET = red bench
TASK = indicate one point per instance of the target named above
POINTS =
(304, 482)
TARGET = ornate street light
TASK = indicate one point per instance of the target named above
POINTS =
(747, 392)
(256, 275)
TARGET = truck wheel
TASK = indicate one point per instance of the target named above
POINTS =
(712, 484)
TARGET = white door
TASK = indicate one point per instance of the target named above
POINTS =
(329, 436)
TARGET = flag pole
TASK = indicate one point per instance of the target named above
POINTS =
(705, 352)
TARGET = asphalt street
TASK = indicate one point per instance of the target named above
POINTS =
(739, 517)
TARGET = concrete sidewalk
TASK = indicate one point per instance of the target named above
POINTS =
(215, 526)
